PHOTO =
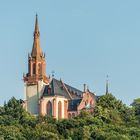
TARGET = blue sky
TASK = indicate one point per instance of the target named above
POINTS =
(84, 40)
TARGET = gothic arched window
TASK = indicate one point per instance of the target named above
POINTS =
(91, 103)
(39, 68)
(59, 110)
(73, 114)
(34, 68)
(69, 115)
(49, 108)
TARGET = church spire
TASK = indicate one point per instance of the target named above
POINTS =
(36, 61)
(107, 85)
(36, 50)
(36, 24)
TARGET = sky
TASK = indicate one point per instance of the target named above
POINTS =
(84, 40)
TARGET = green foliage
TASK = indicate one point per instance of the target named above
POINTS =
(10, 133)
(111, 120)
(136, 106)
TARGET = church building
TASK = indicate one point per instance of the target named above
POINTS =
(49, 96)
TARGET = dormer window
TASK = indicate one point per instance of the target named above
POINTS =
(72, 92)
(62, 87)
(49, 90)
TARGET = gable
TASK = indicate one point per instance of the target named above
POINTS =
(57, 87)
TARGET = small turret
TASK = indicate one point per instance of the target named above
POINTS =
(84, 87)
(107, 85)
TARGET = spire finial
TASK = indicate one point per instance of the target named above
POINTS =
(84, 87)
(36, 24)
(53, 72)
(107, 84)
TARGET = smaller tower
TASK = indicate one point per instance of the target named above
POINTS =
(84, 87)
(107, 85)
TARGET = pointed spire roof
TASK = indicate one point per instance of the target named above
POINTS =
(107, 85)
(36, 24)
(36, 50)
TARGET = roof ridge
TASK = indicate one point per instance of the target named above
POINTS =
(66, 88)
(67, 84)
(73, 88)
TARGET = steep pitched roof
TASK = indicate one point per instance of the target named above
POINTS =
(58, 88)
(75, 93)
(36, 50)
(72, 106)
(61, 89)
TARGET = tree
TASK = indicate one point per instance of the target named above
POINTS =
(111, 119)
(136, 106)
(10, 133)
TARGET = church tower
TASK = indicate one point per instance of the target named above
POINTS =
(36, 79)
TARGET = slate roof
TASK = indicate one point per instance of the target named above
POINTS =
(57, 88)
(75, 93)
(72, 106)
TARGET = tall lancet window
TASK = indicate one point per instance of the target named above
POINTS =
(39, 69)
(49, 108)
(34, 68)
(59, 110)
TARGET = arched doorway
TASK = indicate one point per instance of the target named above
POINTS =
(59, 110)
(49, 108)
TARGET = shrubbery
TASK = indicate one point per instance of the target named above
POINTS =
(111, 120)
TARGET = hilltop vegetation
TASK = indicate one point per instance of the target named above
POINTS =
(111, 120)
